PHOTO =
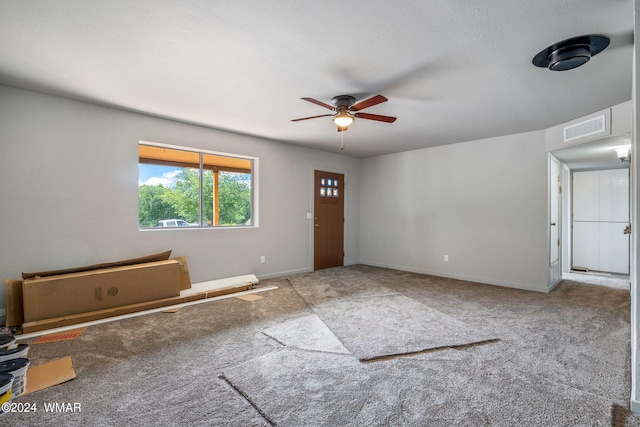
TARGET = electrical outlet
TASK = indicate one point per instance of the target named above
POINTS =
(263, 259)
(446, 258)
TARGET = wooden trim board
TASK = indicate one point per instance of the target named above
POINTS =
(73, 319)
(60, 324)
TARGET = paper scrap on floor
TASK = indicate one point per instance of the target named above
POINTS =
(61, 336)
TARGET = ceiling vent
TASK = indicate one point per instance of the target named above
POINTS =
(585, 128)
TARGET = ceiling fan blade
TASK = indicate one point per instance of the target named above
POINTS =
(378, 99)
(312, 117)
(320, 103)
(386, 119)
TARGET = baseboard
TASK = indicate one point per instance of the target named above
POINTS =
(635, 406)
(512, 285)
(553, 285)
(521, 286)
(300, 271)
(284, 273)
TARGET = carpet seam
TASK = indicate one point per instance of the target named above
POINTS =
(407, 354)
(429, 350)
(308, 349)
(316, 313)
(275, 339)
(244, 395)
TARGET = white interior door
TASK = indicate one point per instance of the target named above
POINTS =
(600, 216)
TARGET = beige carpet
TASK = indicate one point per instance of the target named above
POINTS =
(562, 359)
(373, 321)
(618, 281)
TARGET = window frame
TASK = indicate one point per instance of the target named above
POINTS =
(201, 154)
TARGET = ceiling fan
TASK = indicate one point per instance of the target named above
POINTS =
(346, 110)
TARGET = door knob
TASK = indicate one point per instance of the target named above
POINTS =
(627, 229)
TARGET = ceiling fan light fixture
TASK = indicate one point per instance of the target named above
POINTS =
(346, 110)
(343, 119)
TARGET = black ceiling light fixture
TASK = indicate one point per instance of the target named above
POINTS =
(571, 53)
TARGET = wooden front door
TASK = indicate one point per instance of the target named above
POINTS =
(328, 236)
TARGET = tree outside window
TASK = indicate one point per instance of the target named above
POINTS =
(198, 188)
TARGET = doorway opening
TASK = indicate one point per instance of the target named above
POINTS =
(600, 221)
(596, 201)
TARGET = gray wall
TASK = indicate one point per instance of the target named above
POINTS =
(483, 203)
(68, 180)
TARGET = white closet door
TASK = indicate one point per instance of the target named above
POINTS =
(600, 215)
(614, 248)
(586, 245)
(614, 195)
(586, 199)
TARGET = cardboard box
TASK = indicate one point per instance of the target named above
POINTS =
(185, 279)
(74, 293)
(13, 293)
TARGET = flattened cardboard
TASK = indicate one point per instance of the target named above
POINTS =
(13, 289)
(49, 374)
(74, 319)
(75, 293)
(162, 256)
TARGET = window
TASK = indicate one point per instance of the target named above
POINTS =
(188, 188)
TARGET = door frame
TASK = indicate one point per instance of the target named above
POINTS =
(567, 235)
(552, 281)
(311, 212)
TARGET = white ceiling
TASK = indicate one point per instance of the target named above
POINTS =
(453, 70)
